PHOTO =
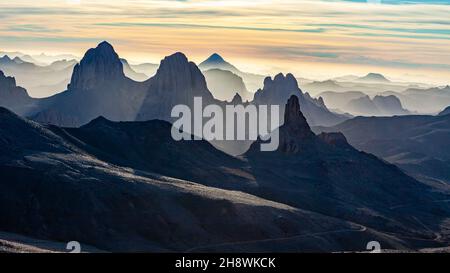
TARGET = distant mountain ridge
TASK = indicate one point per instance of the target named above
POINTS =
(414, 143)
(378, 106)
(14, 97)
(373, 77)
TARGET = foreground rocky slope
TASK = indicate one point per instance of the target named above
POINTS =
(325, 174)
(54, 190)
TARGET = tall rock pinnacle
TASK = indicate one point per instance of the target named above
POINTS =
(294, 121)
(99, 65)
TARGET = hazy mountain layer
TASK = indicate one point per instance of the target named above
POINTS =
(224, 84)
(414, 143)
(325, 174)
(378, 106)
(41, 81)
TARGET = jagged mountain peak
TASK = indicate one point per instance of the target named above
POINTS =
(6, 82)
(215, 58)
(237, 99)
(294, 118)
(288, 81)
(99, 65)
(177, 67)
(6, 59)
(216, 61)
(176, 59)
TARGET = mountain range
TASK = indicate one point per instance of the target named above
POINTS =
(99, 86)
(128, 186)
(378, 106)
(414, 143)
(42, 80)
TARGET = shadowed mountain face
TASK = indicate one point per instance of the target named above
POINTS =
(98, 87)
(277, 91)
(325, 174)
(150, 146)
(446, 111)
(414, 143)
(99, 67)
(177, 81)
(53, 186)
(117, 178)
(14, 97)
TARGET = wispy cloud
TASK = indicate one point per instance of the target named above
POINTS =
(393, 35)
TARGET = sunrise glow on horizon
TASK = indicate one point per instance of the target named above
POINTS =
(312, 39)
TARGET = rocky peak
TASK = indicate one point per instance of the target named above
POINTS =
(335, 139)
(281, 82)
(99, 65)
(237, 99)
(294, 119)
(216, 58)
(277, 90)
(6, 82)
(6, 59)
(177, 75)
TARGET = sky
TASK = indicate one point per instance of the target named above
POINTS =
(405, 40)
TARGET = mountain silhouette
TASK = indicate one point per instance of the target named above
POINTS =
(413, 143)
(373, 77)
(48, 174)
(177, 81)
(325, 174)
(215, 61)
(277, 91)
(444, 112)
(98, 87)
(14, 97)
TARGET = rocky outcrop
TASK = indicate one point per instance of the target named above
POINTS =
(237, 99)
(98, 87)
(12, 96)
(99, 66)
(177, 81)
(335, 139)
(278, 90)
(326, 174)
